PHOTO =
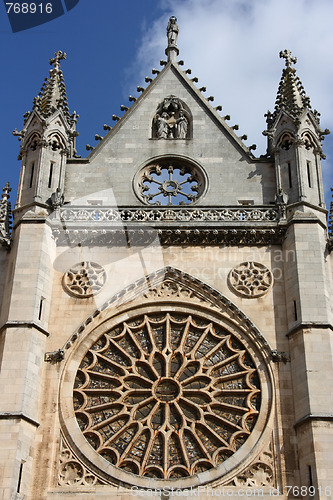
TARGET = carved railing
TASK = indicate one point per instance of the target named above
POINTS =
(109, 214)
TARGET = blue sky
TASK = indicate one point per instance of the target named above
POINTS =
(231, 45)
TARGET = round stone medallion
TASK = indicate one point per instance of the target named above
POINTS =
(250, 279)
(85, 279)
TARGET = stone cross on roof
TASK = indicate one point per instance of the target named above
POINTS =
(59, 55)
(286, 54)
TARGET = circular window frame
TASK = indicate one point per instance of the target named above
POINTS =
(83, 265)
(181, 159)
(249, 265)
(223, 472)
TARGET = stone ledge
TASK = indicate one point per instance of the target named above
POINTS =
(16, 415)
(24, 324)
(312, 326)
(325, 417)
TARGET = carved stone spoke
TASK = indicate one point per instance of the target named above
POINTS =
(167, 395)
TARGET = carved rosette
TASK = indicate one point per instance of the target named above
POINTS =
(84, 279)
(259, 474)
(250, 279)
(72, 472)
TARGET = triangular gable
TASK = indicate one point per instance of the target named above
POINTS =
(193, 92)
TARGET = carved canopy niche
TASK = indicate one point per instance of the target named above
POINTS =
(172, 120)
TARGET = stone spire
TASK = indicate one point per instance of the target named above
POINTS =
(291, 95)
(172, 50)
(52, 95)
(5, 217)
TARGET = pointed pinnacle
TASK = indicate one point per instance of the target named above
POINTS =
(6, 190)
(286, 54)
(59, 55)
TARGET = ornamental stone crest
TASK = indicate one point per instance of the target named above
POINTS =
(250, 279)
(84, 279)
(172, 120)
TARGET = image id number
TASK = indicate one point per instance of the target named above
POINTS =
(310, 491)
(29, 8)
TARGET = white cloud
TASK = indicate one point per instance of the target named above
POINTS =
(233, 47)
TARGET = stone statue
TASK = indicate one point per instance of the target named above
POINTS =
(57, 199)
(162, 126)
(281, 197)
(172, 31)
(181, 127)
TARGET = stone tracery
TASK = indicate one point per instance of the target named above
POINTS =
(170, 182)
(250, 279)
(167, 395)
(84, 279)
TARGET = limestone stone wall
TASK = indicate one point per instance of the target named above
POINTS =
(209, 265)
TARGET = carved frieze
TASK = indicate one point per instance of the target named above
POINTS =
(169, 236)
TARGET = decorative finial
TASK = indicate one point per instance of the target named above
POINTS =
(59, 55)
(6, 190)
(172, 33)
(286, 54)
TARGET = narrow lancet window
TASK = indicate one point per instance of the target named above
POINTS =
(32, 175)
(50, 175)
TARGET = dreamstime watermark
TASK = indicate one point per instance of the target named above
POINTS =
(23, 14)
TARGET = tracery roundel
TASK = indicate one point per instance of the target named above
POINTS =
(170, 181)
(167, 395)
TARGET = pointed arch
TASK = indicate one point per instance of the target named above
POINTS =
(171, 285)
(32, 141)
(124, 355)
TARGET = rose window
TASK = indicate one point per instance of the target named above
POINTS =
(170, 183)
(167, 395)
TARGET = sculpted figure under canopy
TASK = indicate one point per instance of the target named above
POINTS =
(162, 125)
(181, 126)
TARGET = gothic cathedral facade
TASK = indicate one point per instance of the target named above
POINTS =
(166, 321)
